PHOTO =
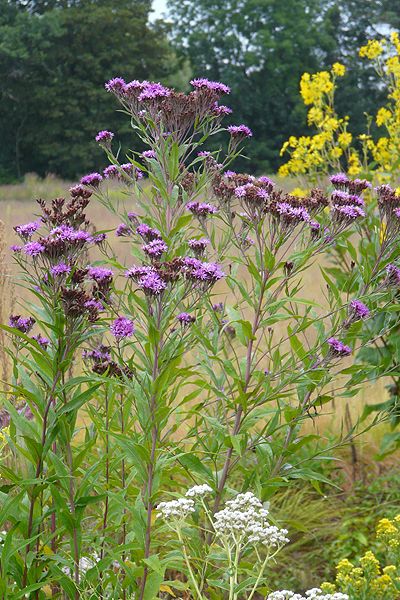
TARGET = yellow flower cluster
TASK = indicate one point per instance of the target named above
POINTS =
(323, 151)
(389, 532)
(372, 50)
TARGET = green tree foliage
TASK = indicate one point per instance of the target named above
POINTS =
(54, 59)
(261, 48)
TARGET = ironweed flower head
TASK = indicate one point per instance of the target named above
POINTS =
(358, 309)
(148, 154)
(123, 230)
(116, 85)
(152, 284)
(215, 86)
(201, 273)
(122, 327)
(148, 233)
(339, 180)
(33, 249)
(185, 319)
(100, 274)
(393, 275)
(92, 179)
(104, 138)
(198, 246)
(60, 270)
(201, 209)
(27, 230)
(152, 91)
(155, 248)
(23, 324)
(338, 348)
(43, 342)
(79, 191)
(239, 131)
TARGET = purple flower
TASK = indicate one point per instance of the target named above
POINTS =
(100, 274)
(123, 230)
(93, 304)
(220, 110)
(110, 172)
(397, 212)
(204, 154)
(240, 131)
(339, 179)
(198, 246)
(148, 154)
(33, 248)
(151, 91)
(147, 232)
(104, 136)
(92, 179)
(359, 309)
(60, 269)
(219, 307)
(132, 171)
(23, 324)
(337, 348)
(16, 248)
(214, 86)
(201, 208)
(229, 174)
(116, 85)
(122, 327)
(98, 238)
(27, 230)
(393, 274)
(101, 353)
(137, 272)
(203, 271)
(42, 341)
(155, 248)
(348, 211)
(185, 319)
(288, 212)
(152, 284)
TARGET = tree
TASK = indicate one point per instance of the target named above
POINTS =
(53, 67)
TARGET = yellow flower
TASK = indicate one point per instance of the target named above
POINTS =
(370, 563)
(386, 528)
(372, 50)
(338, 69)
(344, 566)
(328, 588)
(354, 167)
(345, 139)
(336, 152)
(298, 192)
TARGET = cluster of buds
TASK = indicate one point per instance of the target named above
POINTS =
(101, 363)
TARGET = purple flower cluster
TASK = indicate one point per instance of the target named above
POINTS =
(148, 279)
(104, 137)
(100, 274)
(148, 233)
(353, 186)
(92, 179)
(358, 309)
(202, 272)
(341, 197)
(117, 172)
(214, 86)
(239, 131)
(220, 110)
(185, 319)
(148, 154)
(201, 209)
(28, 229)
(347, 212)
(198, 246)
(122, 327)
(294, 214)
(41, 340)
(337, 348)
(152, 91)
(155, 248)
(23, 324)
(123, 230)
(393, 275)
(60, 269)
(33, 249)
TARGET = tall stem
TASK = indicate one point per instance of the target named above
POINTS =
(189, 567)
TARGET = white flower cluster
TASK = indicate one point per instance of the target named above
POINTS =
(176, 509)
(245, 518)
(313, 594)
(85, 563)
(198, 491)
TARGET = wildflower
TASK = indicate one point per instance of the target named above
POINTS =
(23, 324)
(339, 179)
(42, 341)
(116, 85)
(214, 86)
(110, 172)
(79, 190)
(100, 274)
(104, 137)
(202, 272)
(185, 319)
(240, 131)
(60, 269)
(26, 231)
(383, 116)
(371, 50)
(338, 69)
(220, 110)
(198, 490)
(393, 275)
(358, 309)
(290, 214)
(123, 230)
(122, 327)
(198, 246)
(92, 179)
(337, 348)
(201, 209)
(15, 248)
(147, 232)
(155, 248)
(148, 154)
(152, 284)
(33, 249)
(176, 509)
(347, 212)
(98, 238)
(152, 91)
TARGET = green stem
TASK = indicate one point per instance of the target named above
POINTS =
(253, 591)
(191, 574)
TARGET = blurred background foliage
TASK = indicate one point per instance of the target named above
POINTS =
(56, 54)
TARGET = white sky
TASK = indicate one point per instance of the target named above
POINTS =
(159, 7)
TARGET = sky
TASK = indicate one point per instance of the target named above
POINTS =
(159, 7)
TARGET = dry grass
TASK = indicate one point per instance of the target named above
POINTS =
(17, 204)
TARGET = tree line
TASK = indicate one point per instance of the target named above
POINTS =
(56, 54)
